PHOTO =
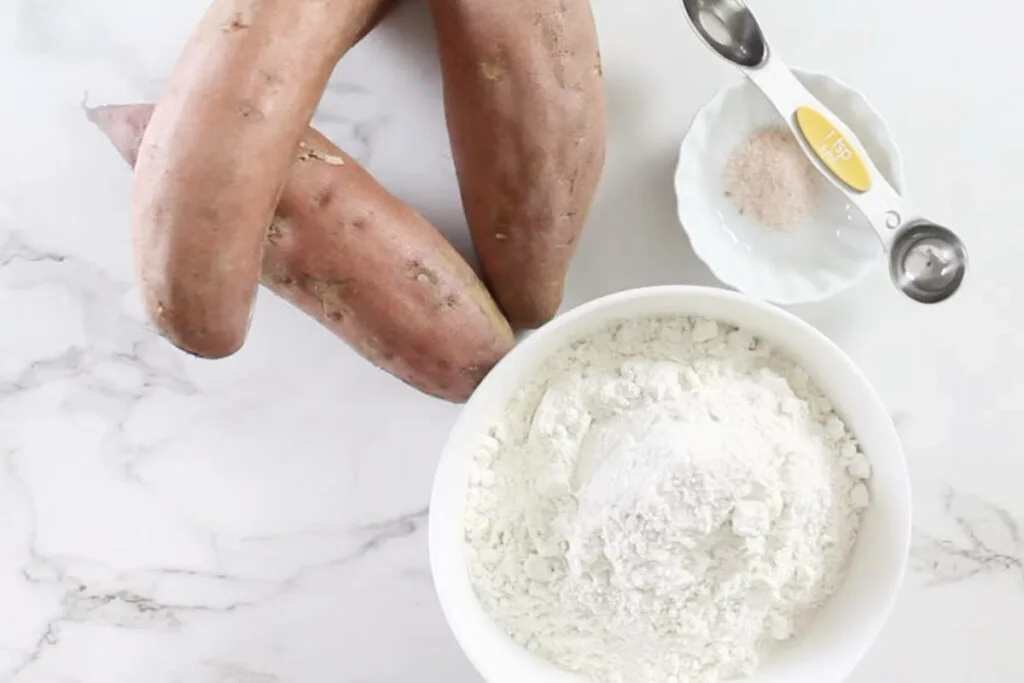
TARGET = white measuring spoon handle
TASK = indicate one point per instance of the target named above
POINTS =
(833, 148)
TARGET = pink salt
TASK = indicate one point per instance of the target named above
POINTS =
(770, 178)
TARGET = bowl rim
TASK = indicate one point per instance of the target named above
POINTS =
(445, 570)
(699, 247)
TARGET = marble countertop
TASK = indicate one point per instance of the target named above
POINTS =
(261, 518)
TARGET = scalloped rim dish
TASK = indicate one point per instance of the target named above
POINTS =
(832, 251)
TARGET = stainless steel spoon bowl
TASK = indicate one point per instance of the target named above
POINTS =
(728, 28)
(927, 262)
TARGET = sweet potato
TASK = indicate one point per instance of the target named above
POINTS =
(215, 155)
(525, 105)
(367, 266)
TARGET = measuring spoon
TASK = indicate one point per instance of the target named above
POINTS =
(927, 262)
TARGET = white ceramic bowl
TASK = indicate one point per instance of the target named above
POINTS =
(826, 253)
(840, 633)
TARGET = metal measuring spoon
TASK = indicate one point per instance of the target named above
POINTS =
(927, 262)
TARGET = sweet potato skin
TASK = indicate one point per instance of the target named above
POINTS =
(367, 266)
(525, 106)
(216, 152)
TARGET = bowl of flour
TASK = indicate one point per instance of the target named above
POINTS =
(670, 485)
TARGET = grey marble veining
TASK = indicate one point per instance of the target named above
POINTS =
(261, 519)
(987, 540)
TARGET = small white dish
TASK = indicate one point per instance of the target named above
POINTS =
(841, 631)
(824, 254)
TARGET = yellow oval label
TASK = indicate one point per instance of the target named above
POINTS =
(833, 149)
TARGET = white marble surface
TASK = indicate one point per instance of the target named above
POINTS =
(261, 518)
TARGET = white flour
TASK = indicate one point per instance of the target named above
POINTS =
(663, 501)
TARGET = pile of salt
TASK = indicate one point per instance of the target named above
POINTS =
(770, 178)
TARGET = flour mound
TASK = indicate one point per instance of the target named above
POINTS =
(663, 501)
